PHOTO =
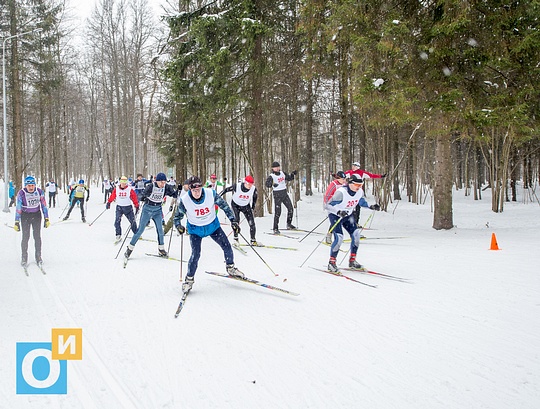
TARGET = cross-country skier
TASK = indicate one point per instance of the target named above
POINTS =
(339, 180)
(125, 196)
(243, 200)
(77, 196)
(53, 190)
(153, 196)
(198, 206)
(341, 205)
(30, 204)
(278, 181)
(363, 174)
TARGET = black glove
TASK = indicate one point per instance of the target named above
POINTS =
(108, 206)
(87, 198)
(137, 210)
(17, 226)
(294, 172)
(383, 175)
(181, 229)
(235, 227)
(342, 213)
(170, 208)
(375, 207)
(275, 185)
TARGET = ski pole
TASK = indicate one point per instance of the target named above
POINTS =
(122, 245)
(241, 221)
(361, 230)
(323, 220)
(181, 254)
(61, 214)
(97, 217)
(329, 231)
(172, 226)
(257, 253)
(170, 240)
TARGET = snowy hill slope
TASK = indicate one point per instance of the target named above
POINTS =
(463, 333)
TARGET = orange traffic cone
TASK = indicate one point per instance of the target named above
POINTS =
(494, 245)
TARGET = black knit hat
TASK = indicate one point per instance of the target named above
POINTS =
(354, 178)
(339, 175)
(276, 165)
(194, 182)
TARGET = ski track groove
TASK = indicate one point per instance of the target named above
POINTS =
(90, 354)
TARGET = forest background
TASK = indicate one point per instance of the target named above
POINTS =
(436, 94)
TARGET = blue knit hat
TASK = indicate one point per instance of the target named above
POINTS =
(81, 181)
(160, 177)
(29, 180)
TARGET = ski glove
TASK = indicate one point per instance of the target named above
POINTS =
(136, 211)
(170, 208)
(275, 185)
(87, 198)
(342, 213)
(235, 227)
(383, 175)
(108, 206)
(294, 172)
(181, 229)
(375, 207)
(17, 226)
(46, 223)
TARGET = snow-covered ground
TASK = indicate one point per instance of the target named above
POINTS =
(463, 333)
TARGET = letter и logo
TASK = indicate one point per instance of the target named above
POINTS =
(67, 343)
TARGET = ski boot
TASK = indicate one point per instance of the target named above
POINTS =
(355, 264)
(234, 272)
(332, 267)
(128, 252)
(188, 283)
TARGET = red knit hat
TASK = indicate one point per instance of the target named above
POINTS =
(249, 179)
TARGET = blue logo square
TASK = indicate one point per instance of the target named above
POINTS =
(37, 372)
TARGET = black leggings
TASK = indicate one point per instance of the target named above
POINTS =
(281, 197)
(248, 213)
(74, 202)
(31, 220)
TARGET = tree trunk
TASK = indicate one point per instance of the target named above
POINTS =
(309, 137)
(17, 167)
(344, 108)
(442, 191)
(256, 151)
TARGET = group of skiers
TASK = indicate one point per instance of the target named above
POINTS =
(198, 203)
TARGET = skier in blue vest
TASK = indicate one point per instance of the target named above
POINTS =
(198, 207)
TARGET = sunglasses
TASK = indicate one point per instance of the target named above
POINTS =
(195, 185)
